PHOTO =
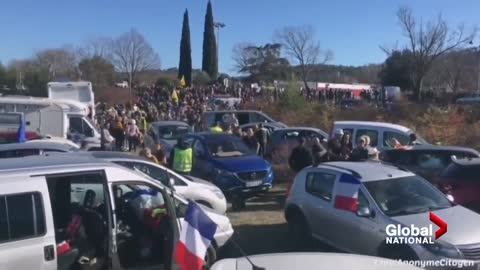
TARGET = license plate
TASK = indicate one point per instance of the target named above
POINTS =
(253, 183)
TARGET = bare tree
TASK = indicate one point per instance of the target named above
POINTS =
(132, 54)
(60, 62)
(299, 44)
(428, 41)
(95, 47)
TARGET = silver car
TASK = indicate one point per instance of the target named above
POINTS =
(386, 196)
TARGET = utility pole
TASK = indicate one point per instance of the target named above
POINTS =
(218, 26)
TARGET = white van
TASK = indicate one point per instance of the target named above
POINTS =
(381, 134)
(53, 118)
(48, 201)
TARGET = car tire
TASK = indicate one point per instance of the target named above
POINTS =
(300, 231)
(210, 258)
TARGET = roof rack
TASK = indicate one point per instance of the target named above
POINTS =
(354, 173)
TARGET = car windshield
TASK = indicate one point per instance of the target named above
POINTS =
(406, 195)
(172, 132)
(227, 146)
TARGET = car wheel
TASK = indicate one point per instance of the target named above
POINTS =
(300, 231)
(210, 258)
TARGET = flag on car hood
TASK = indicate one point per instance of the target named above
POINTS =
(197, 231)
(346, 193)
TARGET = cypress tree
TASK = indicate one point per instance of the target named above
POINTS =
(210, 61)
(185, 65)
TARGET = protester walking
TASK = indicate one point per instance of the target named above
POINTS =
(360, 152)
(262, 134)
(133, 135)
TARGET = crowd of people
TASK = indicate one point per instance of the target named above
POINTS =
(338, 148)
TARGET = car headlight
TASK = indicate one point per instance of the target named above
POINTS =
(444, 250)
(218, 193)
(224, 173)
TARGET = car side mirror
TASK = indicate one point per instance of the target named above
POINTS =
(181, 210)
(365, 211)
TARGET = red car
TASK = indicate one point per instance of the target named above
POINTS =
(461, 179)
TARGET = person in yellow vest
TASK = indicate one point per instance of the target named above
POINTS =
(216, 129)
(181, 157)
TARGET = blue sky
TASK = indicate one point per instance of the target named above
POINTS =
(352, 29)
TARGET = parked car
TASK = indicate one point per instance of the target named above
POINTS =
(282, 141)
(210, 118)
(461, 179)
(386, 195)
(192, 188)
(35, 148)
(230, 164)
(270, 126)
(304, 260)
(427, 161)
(381, 134)
(166, 134)
(41, 196)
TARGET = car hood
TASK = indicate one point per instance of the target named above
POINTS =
(287, 261)
(462, 224)
(242, 163)
(200, 181)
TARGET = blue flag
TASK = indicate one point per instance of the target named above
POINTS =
(21, 136)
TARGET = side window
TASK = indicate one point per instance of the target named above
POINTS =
(390, 137)
(76, 125)
(320, 185)
(243, 118)
(431, 160)
(177, 180)
(373, 134)
(210, 119)
(152, 171)
(21, 216)
(362, 200)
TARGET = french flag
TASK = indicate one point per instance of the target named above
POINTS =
(346, 197)
(196, 234)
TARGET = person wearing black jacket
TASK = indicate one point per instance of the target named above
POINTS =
(301, 157)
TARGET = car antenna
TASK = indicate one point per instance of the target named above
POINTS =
(254, 266)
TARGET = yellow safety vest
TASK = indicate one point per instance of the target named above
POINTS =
(182, 160)
(216, 129)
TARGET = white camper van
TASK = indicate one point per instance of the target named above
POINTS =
(53, 118)
(80, 91)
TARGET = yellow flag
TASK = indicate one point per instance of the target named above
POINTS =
(175, 96)
(182, 82)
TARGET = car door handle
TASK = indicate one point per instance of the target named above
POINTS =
(49, 253)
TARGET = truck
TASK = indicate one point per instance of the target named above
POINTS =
(53, 118)
(80, 91)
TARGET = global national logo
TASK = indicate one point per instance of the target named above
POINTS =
(398, 234)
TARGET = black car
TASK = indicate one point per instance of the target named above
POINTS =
(427, 160)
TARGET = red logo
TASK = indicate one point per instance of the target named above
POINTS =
(440, 223)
